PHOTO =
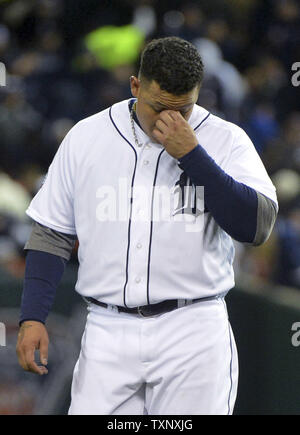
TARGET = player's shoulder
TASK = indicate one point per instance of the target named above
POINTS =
(92, 120)
(89, 127)
(218, 136)
(216, 121)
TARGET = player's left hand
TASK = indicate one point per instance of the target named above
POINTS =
(174, 133)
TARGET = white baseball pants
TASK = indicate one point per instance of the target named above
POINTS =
(180, 363)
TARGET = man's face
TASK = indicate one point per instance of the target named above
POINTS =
(151, 100)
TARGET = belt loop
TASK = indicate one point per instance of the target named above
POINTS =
(112, 308)
(86, 300)
(181, 303)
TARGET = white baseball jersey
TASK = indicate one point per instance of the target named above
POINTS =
(139, 242)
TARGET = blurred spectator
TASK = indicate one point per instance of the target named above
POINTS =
(14, 226)
(19, 129)
(144, 17)
(278, 260)
(287, 271)
(287, 230)
(233, 85)
(262, 126)
(14, 199)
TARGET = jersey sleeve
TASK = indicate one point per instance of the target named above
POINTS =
(245, 165)
(53, 205)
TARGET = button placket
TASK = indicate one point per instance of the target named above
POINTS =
(140, 226)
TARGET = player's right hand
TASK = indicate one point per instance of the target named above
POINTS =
(33, 336)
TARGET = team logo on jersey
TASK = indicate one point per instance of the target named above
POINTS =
(189, 199)
(183, 203)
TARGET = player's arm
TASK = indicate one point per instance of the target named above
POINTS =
(48, 253)
(244, 213)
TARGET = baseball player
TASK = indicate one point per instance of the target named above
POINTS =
(154, 188)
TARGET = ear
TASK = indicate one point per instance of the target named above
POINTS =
(135, 85)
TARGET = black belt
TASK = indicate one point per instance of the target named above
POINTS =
(155, 309)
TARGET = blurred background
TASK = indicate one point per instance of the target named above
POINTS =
(68, 59)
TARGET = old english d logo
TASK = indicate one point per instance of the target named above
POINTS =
(188, 198)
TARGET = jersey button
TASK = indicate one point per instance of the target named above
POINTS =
(139, 245)
(137, 279)
(146, 162)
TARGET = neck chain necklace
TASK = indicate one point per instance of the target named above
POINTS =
(138, 144)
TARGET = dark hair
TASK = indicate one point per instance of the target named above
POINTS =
(175, 64)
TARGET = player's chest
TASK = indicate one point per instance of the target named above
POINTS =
(147, 180)
(146, 167)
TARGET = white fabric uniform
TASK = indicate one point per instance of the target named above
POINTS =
(102, 187)
(180, 363)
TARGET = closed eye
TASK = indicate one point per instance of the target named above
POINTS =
(157, 110)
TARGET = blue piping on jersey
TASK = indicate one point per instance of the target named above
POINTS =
(131, 201)
(203, 120)
(130, 104)
(151, 227)
(229, 397)
(231, 356)
(199, 125)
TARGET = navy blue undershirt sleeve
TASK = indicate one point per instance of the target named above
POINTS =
(232, 204)
(43, 273)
